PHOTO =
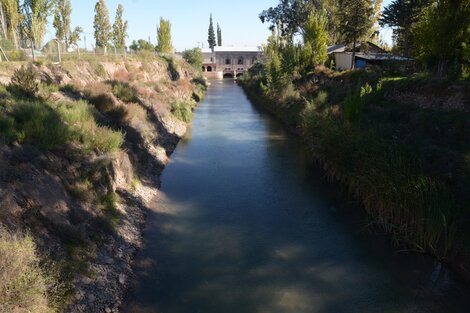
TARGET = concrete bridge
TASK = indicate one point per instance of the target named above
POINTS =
(229, 62)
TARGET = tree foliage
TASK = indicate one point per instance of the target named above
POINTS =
(102, 25)
(442, 36)
(315, 37)
(62, 20)
(211, 36)
(34, 21)
(193, 57)
(164, 44)
(289, 16)
(119, 28)
(400, 15)
(142, 44)
(12, 18)
(219, 35)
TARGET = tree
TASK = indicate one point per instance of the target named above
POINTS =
(34, 22)
(193, 57)
(164, 44)
(74, 37)
(219, 35)
(211, 37)
(62, 20)
(400, 15)
(355, 21)
(11, 13)
(315, 37)
(290, 15)
(141, 44)
(442, 36)
(119, 28)
(102, 25)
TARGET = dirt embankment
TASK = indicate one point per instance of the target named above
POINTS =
(85, 207)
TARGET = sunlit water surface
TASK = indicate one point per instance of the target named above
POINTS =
(246, 224)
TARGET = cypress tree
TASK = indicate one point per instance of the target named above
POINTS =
(219, 35)
(211, 38)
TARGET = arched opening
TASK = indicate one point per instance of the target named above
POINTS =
(241, 61)
(239, 74)
(228, 61)
(203, 69)
(228, 75)
(209, 68)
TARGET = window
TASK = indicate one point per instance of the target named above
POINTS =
(228, 61)
(240, 61)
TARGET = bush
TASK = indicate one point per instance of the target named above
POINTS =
(194, 57)
(23, 285)
(135, 111)
(83, 128)
(124, 91)
(17, 55)
(100, 70)
(38, 123)
(182, 111)
(25, 81)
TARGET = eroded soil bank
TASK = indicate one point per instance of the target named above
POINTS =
(84, 201)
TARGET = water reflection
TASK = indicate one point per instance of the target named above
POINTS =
(245, 224)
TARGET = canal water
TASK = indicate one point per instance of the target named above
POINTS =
(245, 224)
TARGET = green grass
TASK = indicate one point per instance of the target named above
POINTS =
(123, 91)
(52, 125)
(112, 215)
(182, 111)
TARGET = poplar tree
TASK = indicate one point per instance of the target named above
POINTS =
(355, 21)
(62, 20)
(119, 28)
(34, 21)
(315, 37)
(11, 12)
(211, 38)
(164, 44)
(102, 25)
(219, 35)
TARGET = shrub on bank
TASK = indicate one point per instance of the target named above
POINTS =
(353, 137)
(25, 82)
(182, 111)
(52, 125)
(23, 285)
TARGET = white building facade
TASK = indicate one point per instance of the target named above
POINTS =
(231, 62)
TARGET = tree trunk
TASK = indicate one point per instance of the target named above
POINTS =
(353, 61)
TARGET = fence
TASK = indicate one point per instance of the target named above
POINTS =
(55, 55)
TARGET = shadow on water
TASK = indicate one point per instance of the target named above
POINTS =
(245, 223)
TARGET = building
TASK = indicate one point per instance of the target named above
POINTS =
(367, 54)
(223, 62)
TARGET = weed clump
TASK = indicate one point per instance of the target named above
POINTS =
(182, 111)
(23, 287)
